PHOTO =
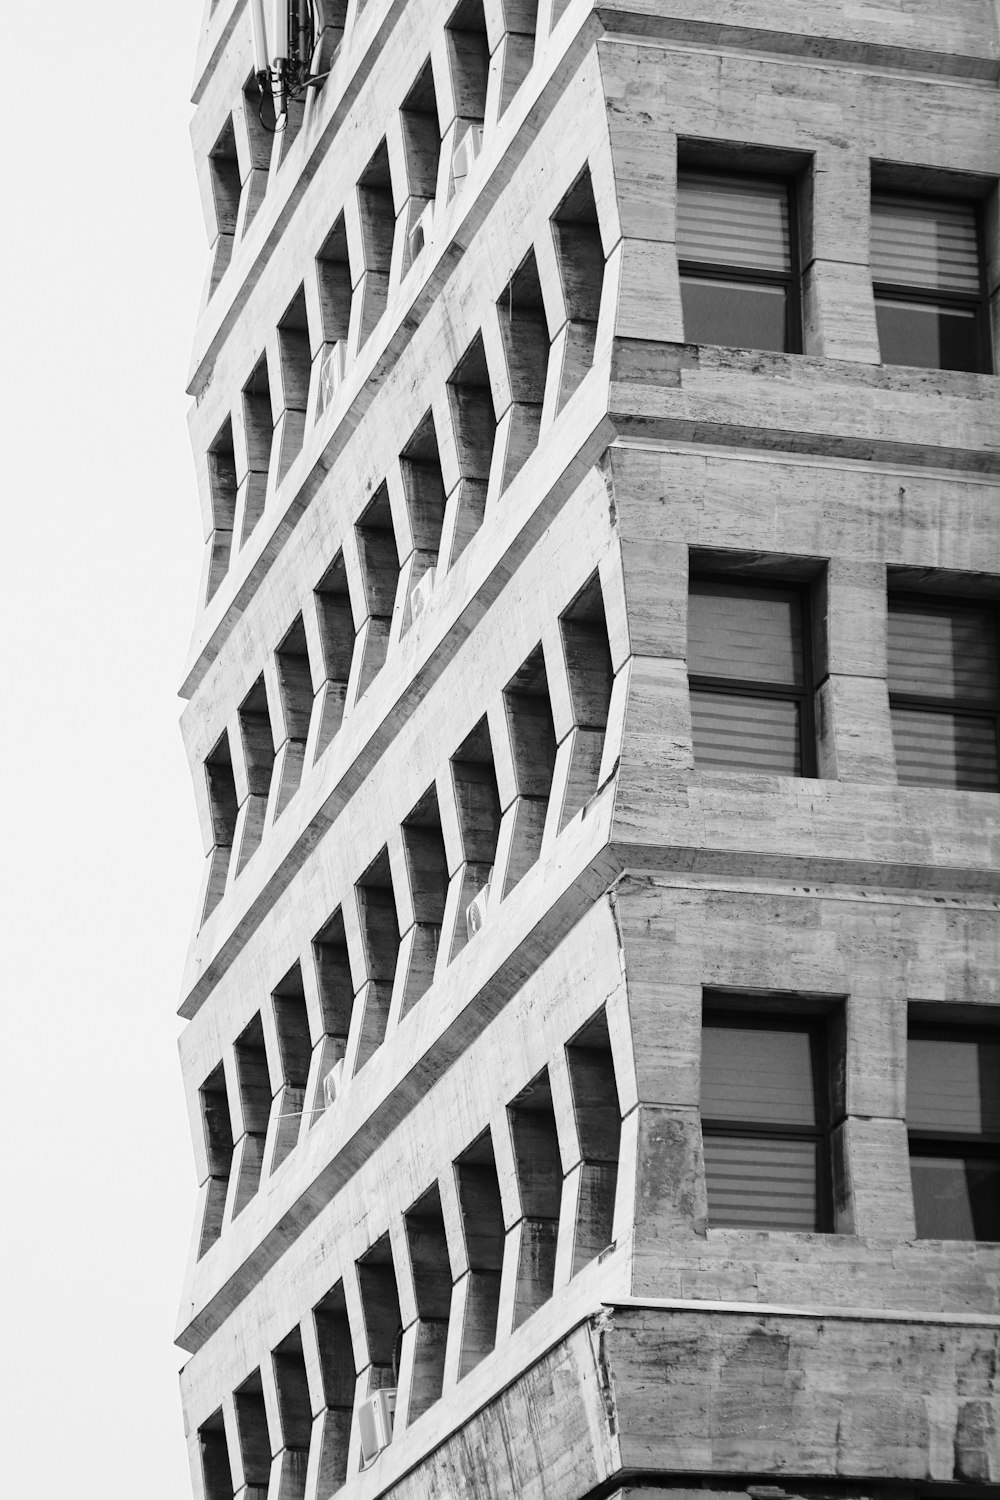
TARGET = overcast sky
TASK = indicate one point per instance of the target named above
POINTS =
(104, 255)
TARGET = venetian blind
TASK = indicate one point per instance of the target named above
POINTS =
(733, 221)
(943, 749)
(761, 1183)
(924, 242)
(953, 1085)
(745, 635)
(746, 734)
(752, 634)
(754, 1076)
(758, 1075)
(943, 651)
(947, 652)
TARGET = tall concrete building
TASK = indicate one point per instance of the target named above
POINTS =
(593, 1044)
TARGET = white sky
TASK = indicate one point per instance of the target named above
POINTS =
(103, 259)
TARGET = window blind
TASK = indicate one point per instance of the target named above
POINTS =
(953, 1085)
(761, 1183)
(731, 220)
(956, 1197)
(924, 242)
(944, 651)
(943, 749)
(746, 734)
(941, 652)
(760, 1109)
(758, 1075)
(753, 634)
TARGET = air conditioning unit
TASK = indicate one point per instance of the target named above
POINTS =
(375, 1424)
(465, 153)
(475, 912)
(333, 1084)
(331, 373)
(422, 230)
(420, 595)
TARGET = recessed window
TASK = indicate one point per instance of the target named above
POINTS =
(953, 1117)
(750, 674)
(944, 692)
(765, 1113)
(738, 260)
(930, 301)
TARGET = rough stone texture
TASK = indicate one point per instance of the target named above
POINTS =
(362, 769)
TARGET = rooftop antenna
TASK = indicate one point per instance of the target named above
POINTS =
(279, 62)
(283, 53)
(259, 33)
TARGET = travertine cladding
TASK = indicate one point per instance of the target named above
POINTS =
(845, 891)
(675, 1391)
(860, 950)
(874, 955)
(614, 113)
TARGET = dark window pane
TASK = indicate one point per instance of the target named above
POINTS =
(745, 734)
(953, 1084)
(733, 221)
(761, 1184)
(925, 242)
(739, 313)
(956, 1198)
(983, 1177)
(922, 334)
(757, 1075)
(947, 750)
(754, 634)
(944, 650)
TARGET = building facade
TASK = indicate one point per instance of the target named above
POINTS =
(593, 1020)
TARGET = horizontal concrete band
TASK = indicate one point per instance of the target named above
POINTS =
(694, 1389)
(760, 1309)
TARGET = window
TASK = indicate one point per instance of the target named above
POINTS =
(765, 1114)
(738, 260)
(953, 1116)
(944, 692)
(750, 674)
(930, 295)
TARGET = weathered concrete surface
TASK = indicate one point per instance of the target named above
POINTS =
(840, 1397)
(655, 1392)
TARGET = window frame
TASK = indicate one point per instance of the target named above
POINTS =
(722, 1015)
(984, 1146)
(749, 688)
(791, 280)
(975, 708)
(979, 303)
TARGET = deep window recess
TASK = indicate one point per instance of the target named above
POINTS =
(750, 673)
(765, 1121)
(294, 1415)
(337, 1375)
(224, 811)
(580, 253)
(930, 293)
(218, 1128)
(738, 260)
(431, 1269)
(483, 1228)
(222, 492)
(944, 692)
(538, 1166)
(598, 1127)
(216, 1471)
(953, 1117)
(255, 1107)
(224, 175)
(254, 1439)
(382, 1319)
